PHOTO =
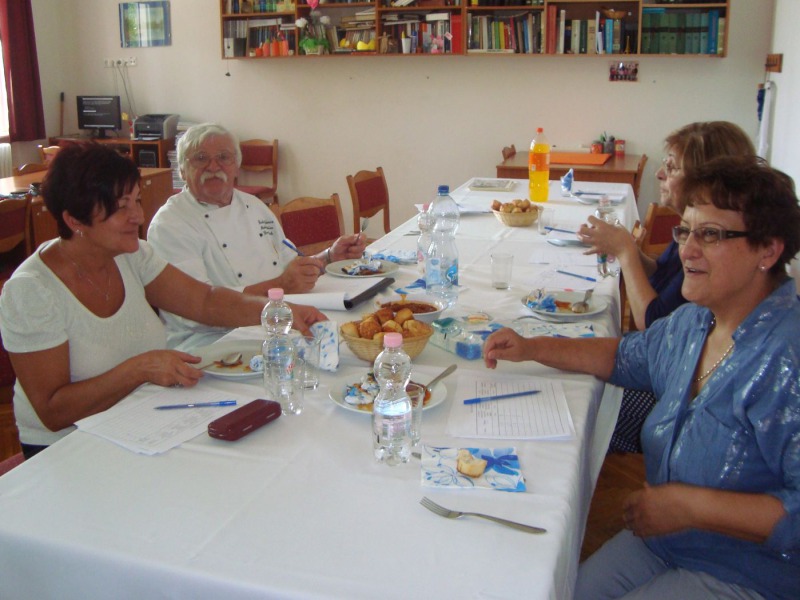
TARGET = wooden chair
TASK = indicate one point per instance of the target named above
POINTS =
(658, 224)
(637, 180)
(47, 153)
(312, 224)
(11, 462)
(260, 156)
(370, 196)
(509, 151)
(9, 436)
(15, 233)
(30, 168)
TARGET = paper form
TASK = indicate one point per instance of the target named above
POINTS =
(541, 416)
(135, 425)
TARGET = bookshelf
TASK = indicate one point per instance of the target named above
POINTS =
(257, 29)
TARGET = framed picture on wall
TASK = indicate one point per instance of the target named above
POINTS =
(144, 24)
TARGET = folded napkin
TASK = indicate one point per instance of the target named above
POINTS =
(530, 328)
(401, 257)
(418, 284)
(502, 472)
(328, 332)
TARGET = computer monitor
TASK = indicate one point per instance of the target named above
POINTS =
(99, 114)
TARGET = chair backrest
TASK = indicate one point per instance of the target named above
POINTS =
(47, 153)
(15, 224)
(30, 168)
(11, 462)
(658, 226)
(312, 224)
(7, 375)
(370, 195)
(509, 151)
(260, 156)
(637, 181)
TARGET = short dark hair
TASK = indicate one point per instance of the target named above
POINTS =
(86, 177)
(764, 196)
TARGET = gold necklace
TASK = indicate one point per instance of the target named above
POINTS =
(716, 364)
(82, 274)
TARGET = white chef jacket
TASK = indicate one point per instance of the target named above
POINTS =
(231, 246)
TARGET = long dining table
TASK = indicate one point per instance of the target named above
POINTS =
(299, 508)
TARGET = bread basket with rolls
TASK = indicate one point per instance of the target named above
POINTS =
(365, 337)
(517, 213)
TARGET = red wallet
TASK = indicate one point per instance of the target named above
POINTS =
(238, 423)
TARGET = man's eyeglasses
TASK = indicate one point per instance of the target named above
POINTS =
(706, 236)
(201, 159)
(669, 166)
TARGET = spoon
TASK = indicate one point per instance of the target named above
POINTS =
(441, 376)
(230, 360)
(583, 305)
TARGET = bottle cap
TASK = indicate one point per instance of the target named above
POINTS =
(540, 130)
(444, 189)
(392, 340)
(275, 294)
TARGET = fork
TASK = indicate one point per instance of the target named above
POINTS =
(454, 514)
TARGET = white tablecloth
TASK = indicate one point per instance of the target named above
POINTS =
(299, 508)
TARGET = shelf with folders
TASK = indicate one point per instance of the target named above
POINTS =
(684, 28)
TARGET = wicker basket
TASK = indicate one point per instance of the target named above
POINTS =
(520, 219)
(368, 350)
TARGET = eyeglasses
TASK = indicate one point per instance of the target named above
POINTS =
(669, 166)
(706, 236)
(201, 159)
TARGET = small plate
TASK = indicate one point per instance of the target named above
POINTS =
(335, 269)
(438, 395)
(248, 348)
(596, 306)
(594, 197)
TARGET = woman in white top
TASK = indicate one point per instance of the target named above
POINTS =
(77, 316)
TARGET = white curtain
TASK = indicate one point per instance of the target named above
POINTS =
(6, 167)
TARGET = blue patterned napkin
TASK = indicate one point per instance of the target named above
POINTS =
(530, 328)
(328, 331)
(439, 469)
(401, 257)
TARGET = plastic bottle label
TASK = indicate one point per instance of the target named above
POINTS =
(452, 273)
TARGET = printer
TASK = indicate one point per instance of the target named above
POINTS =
(154, 127)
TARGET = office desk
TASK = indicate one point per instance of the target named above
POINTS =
(299, 508)
(155, 188)
(615, 170)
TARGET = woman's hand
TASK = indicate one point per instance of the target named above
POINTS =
(348, 247)
(168, 368)
(301, 275)
(504, 344)
(305, 316)
(657, 510)
(605, 238)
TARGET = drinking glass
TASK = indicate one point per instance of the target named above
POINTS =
(416, 393)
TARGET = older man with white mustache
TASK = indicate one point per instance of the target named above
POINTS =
(223, 236)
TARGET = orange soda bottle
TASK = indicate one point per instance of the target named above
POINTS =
(539, 167)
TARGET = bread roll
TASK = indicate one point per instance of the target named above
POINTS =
(350, 329)
(469, 465)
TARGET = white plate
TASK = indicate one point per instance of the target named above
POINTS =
(596, 306)
(335, 269)
(438, 394)
(594, 197)
(248, 348)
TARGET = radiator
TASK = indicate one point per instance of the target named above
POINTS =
(6, 168)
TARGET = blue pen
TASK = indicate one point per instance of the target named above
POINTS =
(197, 405)
(576, 275)
(559, 230)
(480, 399)
(288, 244)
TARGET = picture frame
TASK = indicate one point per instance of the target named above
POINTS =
(143, 24)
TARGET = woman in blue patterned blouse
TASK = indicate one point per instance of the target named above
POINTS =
(719, 516)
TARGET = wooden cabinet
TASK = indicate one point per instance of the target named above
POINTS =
(253, 29)
(150, 154)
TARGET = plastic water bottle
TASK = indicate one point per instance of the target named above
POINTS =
(539, 168)
(424, 221)
(607, 265)
(276, 318)
(391, 410)
(441, 264)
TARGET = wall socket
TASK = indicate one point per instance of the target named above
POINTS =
(111, 63)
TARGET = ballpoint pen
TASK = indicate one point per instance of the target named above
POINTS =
(576, 275)
(559, 230)
(197, 405)
(288, 244)
(480, 399)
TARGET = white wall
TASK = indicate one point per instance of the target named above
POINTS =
(785, 150)
(426, 120)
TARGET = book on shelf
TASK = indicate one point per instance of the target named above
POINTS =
(562, 28)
